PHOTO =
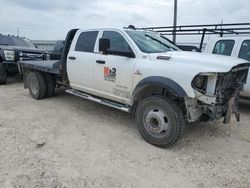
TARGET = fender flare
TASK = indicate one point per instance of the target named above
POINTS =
(167, 83)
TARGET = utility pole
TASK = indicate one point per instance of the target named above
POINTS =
(17, 29)
(175, 21)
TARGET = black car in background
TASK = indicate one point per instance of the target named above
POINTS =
(14, 49)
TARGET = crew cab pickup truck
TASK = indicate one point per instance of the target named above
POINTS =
(13, 49)
(142, 73)
(235, 46)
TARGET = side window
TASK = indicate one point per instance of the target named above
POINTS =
(117, 41)
(245, 50)
(224, 47)
(86, 41)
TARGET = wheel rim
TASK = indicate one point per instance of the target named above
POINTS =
(156, 122)
(34, 86)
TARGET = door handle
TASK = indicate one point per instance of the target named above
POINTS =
(72, 58)
(100, 61)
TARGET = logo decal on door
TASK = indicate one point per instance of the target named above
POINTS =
(109, 74)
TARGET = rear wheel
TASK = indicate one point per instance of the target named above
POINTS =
(37, 85)
(3, 75)
(160, 121)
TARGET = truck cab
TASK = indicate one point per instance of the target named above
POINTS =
(235, 46)
(113, 75)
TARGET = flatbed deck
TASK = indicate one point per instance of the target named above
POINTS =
(50, 66)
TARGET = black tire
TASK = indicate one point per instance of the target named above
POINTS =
(37, 85)
(160, 121)
(3, 75)
(50, 84)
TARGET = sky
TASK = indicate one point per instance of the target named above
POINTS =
(51, 19)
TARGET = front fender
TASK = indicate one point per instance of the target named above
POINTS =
(170, 85)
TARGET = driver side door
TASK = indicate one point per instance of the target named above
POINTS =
(114, 72)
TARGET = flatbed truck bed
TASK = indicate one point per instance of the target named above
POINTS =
(49, 66)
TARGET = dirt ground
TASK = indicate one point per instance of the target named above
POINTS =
(69, 142)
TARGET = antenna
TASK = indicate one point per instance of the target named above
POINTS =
(221, 33)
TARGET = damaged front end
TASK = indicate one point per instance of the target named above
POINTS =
(217, 95)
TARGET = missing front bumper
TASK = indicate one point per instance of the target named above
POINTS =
(197, 111)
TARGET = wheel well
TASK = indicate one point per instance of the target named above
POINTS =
(153, 90)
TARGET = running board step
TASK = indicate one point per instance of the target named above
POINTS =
(99, 100)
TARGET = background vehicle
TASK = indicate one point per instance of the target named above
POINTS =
(13, 49)
(189, 48)
(235, 46)
(57, 51)
(233, 40)
(142, 73)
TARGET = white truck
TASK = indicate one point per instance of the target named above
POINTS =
(235, 46)
(142, 73)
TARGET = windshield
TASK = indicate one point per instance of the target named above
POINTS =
(15, 41)
(150, 42)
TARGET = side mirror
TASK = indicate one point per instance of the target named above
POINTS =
(104, 45)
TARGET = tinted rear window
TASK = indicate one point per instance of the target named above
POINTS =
(245, 50)
(86, 41)
(224, 47)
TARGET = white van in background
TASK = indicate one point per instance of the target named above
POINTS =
(235, 46)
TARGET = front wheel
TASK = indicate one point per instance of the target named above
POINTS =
(160, 121)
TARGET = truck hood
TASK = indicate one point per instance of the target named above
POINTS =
(203, 62)
(22, 49)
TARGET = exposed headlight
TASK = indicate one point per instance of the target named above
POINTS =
(9, 55)
(200, 82)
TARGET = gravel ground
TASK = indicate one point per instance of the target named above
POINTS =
(69, 142)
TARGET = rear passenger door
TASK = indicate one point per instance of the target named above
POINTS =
(80, 61)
